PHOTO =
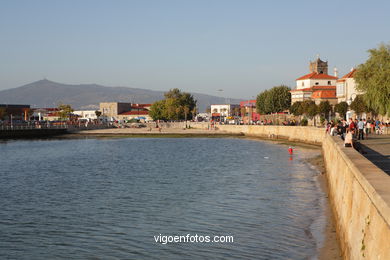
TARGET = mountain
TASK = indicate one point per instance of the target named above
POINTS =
(46, 93)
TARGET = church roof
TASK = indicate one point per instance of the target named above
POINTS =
(323, 94)
(315, 75)
(302, 89)
(348, 75)
(319, 91)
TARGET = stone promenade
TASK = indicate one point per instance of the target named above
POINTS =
(378, 150)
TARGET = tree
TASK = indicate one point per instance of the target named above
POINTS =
(309, 108)
(261, 102)
(296, 109)
(157, 110)
(98, 113)
(358, 105)
(324, 108)
(275, 100)
(373, 78)
(64, 111)
(177, 105)
(194, 112)
(312, 110)
(341, 108)
(3, 113)
(281, 98)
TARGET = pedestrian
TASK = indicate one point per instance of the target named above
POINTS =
(348, 141)
(360, 126)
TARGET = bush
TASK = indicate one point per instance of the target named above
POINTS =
(304, 122)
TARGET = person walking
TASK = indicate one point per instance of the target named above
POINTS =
(360, 126)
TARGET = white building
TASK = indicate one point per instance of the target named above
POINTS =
(346, 91)
(317, 85)
(86, 114)
(220, 112)
(346, 88)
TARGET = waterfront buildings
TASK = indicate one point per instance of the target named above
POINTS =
(113, 111)
(89, 115)
(346, 88)
(14, 112)
(222, 111)
(317, 85)
(248, 111)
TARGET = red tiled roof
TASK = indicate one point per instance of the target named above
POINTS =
(314, 88)
(348, 75)
(324, 94)
(315, 75)
(143, 112)
(324, 88)
(245, 103)
(302, 89)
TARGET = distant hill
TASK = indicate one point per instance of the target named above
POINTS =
(46, 93)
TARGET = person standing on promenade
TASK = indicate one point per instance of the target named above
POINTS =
(377, 126)
(348, 141)
(365, 128)
(351, 125)
(360, 126)
(341, 129)
(368, 127)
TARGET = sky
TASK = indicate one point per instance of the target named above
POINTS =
(241, 47)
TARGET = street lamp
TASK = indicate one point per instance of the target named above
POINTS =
(220, 109)
(349, 101)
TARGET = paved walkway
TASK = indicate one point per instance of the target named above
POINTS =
(378, 151)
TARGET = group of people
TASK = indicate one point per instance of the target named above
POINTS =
(352, 130)
(361, 128)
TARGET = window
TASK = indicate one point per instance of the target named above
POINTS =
(317, 83)
(340, 90)
(303, 84)
(329, 82)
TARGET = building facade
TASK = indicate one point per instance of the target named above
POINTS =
(113, 111)
(346, 87)
(14, 112)
(317, 85)
(89, 115)
(222, 111)
(248, 111)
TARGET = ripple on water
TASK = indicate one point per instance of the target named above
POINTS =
(108, 198)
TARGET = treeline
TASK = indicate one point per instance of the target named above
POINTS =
(176, 105)
(274, 100)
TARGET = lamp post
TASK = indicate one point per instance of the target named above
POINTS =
(349, 102)
(351, 98)
(220, 109)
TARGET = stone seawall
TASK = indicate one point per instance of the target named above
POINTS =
(359, 191)
(31, 133)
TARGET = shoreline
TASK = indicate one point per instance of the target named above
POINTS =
(330, 248)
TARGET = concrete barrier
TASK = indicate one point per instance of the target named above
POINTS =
(31, 133)
(359, 191)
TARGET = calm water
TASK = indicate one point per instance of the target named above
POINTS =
(108, 198)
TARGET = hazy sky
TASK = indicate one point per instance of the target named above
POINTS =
(239, 46)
